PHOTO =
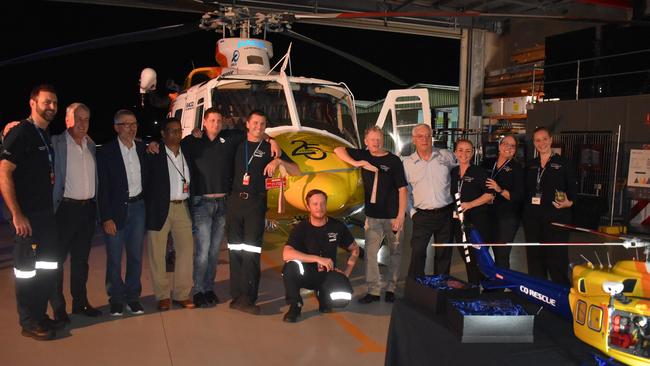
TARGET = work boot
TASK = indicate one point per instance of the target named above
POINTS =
(292, 315)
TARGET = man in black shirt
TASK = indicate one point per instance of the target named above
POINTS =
(247, 202)
(26, 180)
(310, 254)
(385, 205)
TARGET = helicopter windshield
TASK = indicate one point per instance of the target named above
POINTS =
(319, 106)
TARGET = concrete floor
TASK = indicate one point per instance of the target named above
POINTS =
(355, 335)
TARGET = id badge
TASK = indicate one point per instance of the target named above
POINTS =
(537, 199)
(454, 214)
(186, 188)
(246, 180)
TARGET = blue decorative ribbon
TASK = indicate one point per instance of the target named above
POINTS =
(488, 307)
(443, 282)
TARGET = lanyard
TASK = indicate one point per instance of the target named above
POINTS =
(493, 175)
(182, 166)
(540, 172)
(246, 159)
(50, 153)
(459, 184)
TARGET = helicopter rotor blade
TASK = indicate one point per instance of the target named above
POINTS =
(125, 38)
(365, 64)
(464, 14)
(181, 6)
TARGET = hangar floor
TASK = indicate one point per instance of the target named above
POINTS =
(355, 335)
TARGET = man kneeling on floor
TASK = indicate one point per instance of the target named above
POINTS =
(310, 259)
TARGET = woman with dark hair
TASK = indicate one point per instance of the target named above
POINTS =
(506, 181)
(551, 189)
(468, 187)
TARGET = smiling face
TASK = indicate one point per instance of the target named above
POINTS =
(126, 127)
(543, 142)
(78, 122)
(422, 138)
(374, 140)
(464, 151)
(45, 105)
(256, 126)
(507, 147)
(212, 123)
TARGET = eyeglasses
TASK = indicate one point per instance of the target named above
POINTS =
(509, 145)
(128, 125)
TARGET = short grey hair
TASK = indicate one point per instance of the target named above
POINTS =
(120, 113)
(69, 112)
(422, 126)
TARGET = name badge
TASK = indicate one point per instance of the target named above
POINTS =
(246, 180)
(537, 199)
(186, 188)
(454, 214)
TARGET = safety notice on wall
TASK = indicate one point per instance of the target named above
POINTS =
(639, 171)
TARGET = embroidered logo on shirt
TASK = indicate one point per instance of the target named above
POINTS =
(556, 166)
(468, 179)
(384, 167)
(222, 140)
(332, 236)
(507, 169)
(258, 153)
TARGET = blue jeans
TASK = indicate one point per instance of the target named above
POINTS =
(209, 220)
(131, 236)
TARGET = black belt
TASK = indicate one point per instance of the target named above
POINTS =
(246, 195)
(433, 210)
(135, 198)
(178, 201)
(77, 202)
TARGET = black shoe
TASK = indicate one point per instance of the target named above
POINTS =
(52, 323)
(235, 304)
(86, 310)
(62, 316)
(211, 298)
(250, 308)
(38, 333)
(368, 299)
(324, 309)
(199, 300)
(117, 309)
(389, 296)
(292, 315)
(135, 307)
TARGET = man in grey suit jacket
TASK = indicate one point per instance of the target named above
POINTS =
(74, 193)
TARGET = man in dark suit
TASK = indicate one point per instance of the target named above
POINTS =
(166, 195)
(122, 212)
(74, 193)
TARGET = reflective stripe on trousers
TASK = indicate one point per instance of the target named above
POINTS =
(245, 247)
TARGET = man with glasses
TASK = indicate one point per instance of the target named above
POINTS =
(427, 172)
(122, 212)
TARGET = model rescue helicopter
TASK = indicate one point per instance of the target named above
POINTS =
(609, 306)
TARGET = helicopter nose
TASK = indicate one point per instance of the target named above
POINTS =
(334, 185)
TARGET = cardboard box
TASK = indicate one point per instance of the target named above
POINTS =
(433, 299)
(491, 328)
(516, 105)
(492, 107)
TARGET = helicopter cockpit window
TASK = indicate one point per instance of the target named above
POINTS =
(237, 99)
(325, 108)
(319, 106)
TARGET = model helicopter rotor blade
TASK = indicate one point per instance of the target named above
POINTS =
(121, 39)
(181, 6)
(585, 230)
(365, 64)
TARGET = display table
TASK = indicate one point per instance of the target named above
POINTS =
(417, 337)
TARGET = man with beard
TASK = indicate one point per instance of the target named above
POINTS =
(26, 181)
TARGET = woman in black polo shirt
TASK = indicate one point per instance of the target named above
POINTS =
(551, 188)
(469, 180)
(506, 181)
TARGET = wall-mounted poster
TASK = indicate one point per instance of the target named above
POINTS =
(638, 174)
(591, 157)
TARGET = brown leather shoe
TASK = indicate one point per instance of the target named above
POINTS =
(39, 333)
(164, 304)
(187, 304)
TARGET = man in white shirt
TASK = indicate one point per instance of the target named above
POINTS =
(427, 173)
(166, 199)
(74, 192)
(122, 212)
